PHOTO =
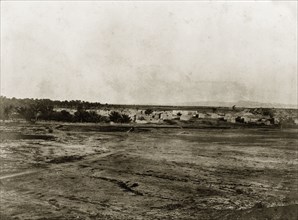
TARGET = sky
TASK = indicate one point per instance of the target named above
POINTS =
(151, 52)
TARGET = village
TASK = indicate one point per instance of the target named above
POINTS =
(211, 115)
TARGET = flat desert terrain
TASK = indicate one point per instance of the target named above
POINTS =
(76, 171)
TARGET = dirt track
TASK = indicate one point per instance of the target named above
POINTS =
(74, 173)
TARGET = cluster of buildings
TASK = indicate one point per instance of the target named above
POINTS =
(142, 117)
(246, 116)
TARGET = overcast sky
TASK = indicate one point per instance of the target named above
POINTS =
(150, 52)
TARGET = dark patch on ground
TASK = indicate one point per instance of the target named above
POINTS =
(65, 159)
(20, 136)
(122, 185)
(289, 212)
(95, 128)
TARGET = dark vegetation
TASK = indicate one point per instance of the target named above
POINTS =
(148, 111)
(119, 118)
(43, 109)
(33, 110)
(263, 111)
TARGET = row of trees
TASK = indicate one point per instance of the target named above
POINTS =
(72, 104)
(43, 109)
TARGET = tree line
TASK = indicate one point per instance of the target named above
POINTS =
(43, 109)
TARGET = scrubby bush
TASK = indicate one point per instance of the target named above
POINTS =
(33, 110)
(125, 118)
(267, 112)
(85, 116)
(63, 116)
(142, 118)
(263, 111)
(104, 119)
(115, 117)
(66, 116)
(29, 113)
(239, 119)
(119, 118)
(148, 111)
(93, 117)
(5, 111)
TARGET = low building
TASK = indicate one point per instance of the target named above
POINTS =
(141, 121)
(166, 116)
(213, 115)
(185, 117)
(201, 115)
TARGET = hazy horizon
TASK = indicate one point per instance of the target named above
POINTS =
(210, 103)
(150, 52)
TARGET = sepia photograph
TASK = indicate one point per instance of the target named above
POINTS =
(148, 110)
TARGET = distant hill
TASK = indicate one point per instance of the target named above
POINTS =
(247, 104)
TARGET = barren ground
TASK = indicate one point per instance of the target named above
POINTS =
(51, 171)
